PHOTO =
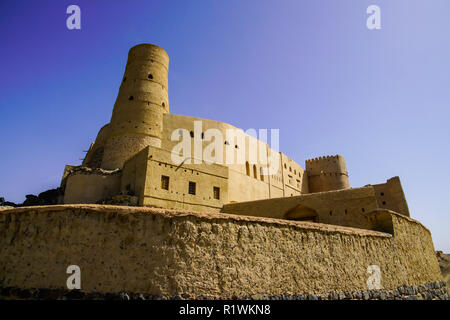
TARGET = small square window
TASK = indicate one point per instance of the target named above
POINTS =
(216, 193)
(165, 182)
(192, 187)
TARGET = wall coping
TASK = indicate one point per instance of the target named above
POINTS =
(167, 213)
(398, 215)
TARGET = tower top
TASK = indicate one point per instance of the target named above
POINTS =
(149, 51)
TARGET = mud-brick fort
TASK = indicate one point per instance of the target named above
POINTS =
(134, 221)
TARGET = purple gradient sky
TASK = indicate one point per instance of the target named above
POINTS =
(310, 68)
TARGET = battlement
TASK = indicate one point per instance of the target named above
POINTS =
(323, 158)
(326, 164)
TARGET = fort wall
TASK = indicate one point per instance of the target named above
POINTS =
(177, 252)
(90, 186)
(344, 207)
(245, 179)
(390, 196)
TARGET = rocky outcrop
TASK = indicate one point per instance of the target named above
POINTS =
(444, 264)
(6, 204)
(49, 197)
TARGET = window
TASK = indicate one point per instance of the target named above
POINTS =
(261, 175)
(192, 186)
(255, 172)
(150, 76)
(247, 168)
(165, 182)
(384, 203)
(131, 98)
(382, 194)
(226, 143)
(192, 134)
(216, 193)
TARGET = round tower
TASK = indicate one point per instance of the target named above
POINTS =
(94, 156)
(137, 119)
(327, 173)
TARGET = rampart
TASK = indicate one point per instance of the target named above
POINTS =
(170, 252)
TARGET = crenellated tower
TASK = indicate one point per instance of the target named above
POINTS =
(327, 173)
(143, 99)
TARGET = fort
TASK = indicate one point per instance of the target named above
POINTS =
(136, 221)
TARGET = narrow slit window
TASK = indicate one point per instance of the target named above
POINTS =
(165, 182)
(192, 187)
(216, 193)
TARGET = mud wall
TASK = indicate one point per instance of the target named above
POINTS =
(173, 252)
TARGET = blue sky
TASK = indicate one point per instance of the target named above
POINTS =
(309, 68)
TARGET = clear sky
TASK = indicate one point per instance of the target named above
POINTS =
(312, 69)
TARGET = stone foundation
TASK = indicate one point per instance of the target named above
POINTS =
(427, 291)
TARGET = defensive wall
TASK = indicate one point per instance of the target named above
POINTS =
(390, 195)
(167, 252)
(348, 207)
